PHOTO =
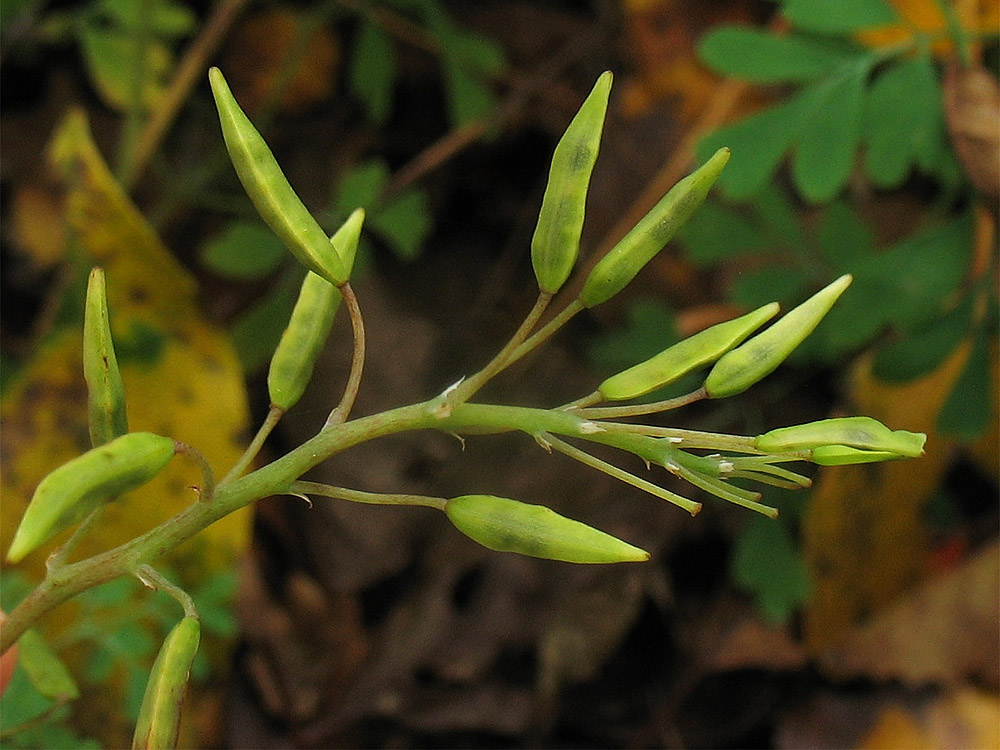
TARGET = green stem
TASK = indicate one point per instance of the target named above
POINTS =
(338, 415)
(468, 388)
(152, 578)
(544, 333)
(207, 490)
(274, 414)
(611, 470)
(369, 498)
(58, 558)
(637, 410)
(688, 438)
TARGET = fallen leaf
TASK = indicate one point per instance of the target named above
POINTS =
(863, 535)
(966, 718)
(944, 632)
(923, 18)
(258, 54)
(181, 376)
(971, 103)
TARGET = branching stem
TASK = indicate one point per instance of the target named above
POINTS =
(274, 414)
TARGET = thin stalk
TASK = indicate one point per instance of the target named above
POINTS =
(135, 113)
(771, 479)
(152, 578)
(471, 385)
(339, 415)
(58, 558)
(637, 410)
(719, 488)
(207, 490)
(689, 438)
(583, 457)
(274, 414)
(583, 402)
(544, 333)
(369, 498)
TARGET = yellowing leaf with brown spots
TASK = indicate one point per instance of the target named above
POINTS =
(182, 379)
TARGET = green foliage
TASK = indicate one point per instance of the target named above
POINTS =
(468, 62)
(243, 251)
(767, 565)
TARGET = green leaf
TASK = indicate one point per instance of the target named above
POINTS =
(918, 273)
(111, 59)
(903, 122)
(715, 233)
(828, 139)
(244, 251)
(404, 223)
(966, 413)
(165, 18)
(924, 349)
(361, 187)
(844, 237)
(761, 57)
(782, 284)
(838, 16)
(45, 669)
(469, 99)
(778, 218)
(766, 564)
(758, 143)
(373, 70)
(855, 320)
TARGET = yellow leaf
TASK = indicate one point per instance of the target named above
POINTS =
(182, 379)
(864, 537)
(925, 17)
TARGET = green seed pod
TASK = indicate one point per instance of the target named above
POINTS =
(510, 526)
(863, 433)
(345, 240)
(842, 455)
(70, 492)
(269, 190)
(105, 391)
(556, 241)
(160, 715)
(302, 341)
(691, 353)
(740, 368)
(615, 270)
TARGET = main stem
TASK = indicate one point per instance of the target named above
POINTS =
(273, 479)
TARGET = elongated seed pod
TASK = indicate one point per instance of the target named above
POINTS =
(510, 526)
(757, 358)
(615, 270)
(302, 341)
(160, 714)
(862, 433)
(842, 455)
(556, 241)
(684, 356)
(309, 326)
(105, 390)
(265, 183)
(71, 491)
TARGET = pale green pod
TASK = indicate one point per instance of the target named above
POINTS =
(74, 489)
(556, 241)
(842, 455)
(273, 196)
(693, 352)
(757, 358)
(615, 270)
(861, 433)
(159, 720)
(105, 390)
(309, 326)
(302, 341)
(511, 526)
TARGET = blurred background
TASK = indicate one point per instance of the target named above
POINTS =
(865, 140)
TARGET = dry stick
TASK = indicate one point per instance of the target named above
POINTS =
(188, 74)
(339, 414)
(450, 144)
